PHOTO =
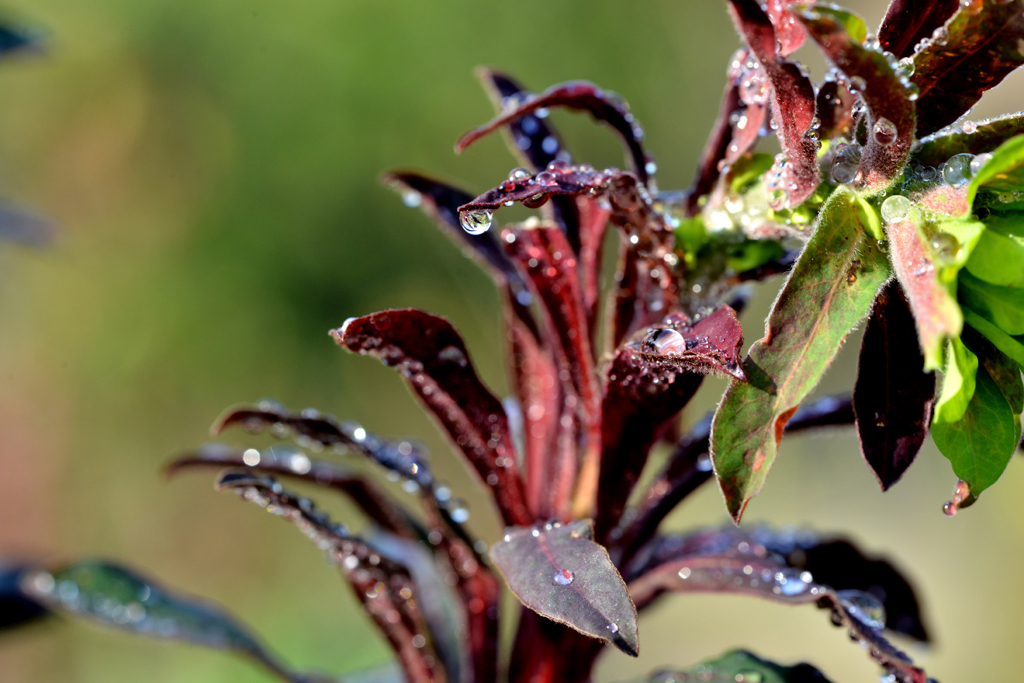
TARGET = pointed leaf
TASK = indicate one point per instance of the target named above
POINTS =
(118, 597)
(603, 105)
(891, 121)
(893, 397)
(739, 665)
(793, 102)
(829, 291)
(429, 352)
(378, 506)
(908, 22)
(560, 573)
(1013, 347)
(975, 49)
(384, 587)
(16, 608)
(985, 136)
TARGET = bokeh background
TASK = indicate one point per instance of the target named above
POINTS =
(213, 168)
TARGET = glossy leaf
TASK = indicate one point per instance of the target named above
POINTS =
(604, 106)
(907, 22)
(958, 382)
(894, 394)
(1013, 347)
(793, 102)
(384, 587)
(985, 136)
(972, 53)
(890, 120)
(429, 352)
(1003, 306)
(279, 461)
(980, 444)
(741, 666)
(829, 291)
(998, 257)
(559, 572)
(834, 106)
(16, 608)
(118, 597)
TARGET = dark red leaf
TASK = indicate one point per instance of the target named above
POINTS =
(707, 343)
(581, 95)
(907, 22)
(561, 573)
(16, 608)
(972, 53)
(983, 136)
(534, 141)
(548, 652)
(788, 29)
(835, 109)
(593, 222)
(793, 102)
(893, 397)
(431, 355)
(890, 120)
(384, 587)
(377, 505)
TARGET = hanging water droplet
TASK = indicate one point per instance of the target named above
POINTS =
(563, 577)
(475, 222)
(845, 164)
(518, 173)
(946, 246)
(978, 162)
(895, 208)
(865, 607)
(957, 170)
(704, 463)
(885, 131)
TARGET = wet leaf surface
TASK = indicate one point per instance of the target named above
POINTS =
(604, 106)
(893, 396)
(384, 587)
(739, 666)
(793, 102)
(829, 291)
(972, 53)
(118, 597)
(907, 22)
(890, 111)
(16, 608)
(937, 148)
(432, 357)
(280, 461)
(562, 574)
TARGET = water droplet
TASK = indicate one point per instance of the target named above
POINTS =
(704, 462)
(546, 178)
(895, 208)
(857, 85)
(946, 246)
(961, 492)
(865, 607)
(978, 162)
(905, 67)
(663, 342)
(748, 677)
(475, 222)
(969, 127)
(563, 577)
(299, 463)
(614, 628)
(883, 246)
(684, 573)
(845, 164)
(885, 131)
(412, 198)
(957, 170)
(251, 457)
(518, 173)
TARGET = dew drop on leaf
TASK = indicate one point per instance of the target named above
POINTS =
(865, 607)
(979, 161)
(957, 170)
(946, 246)
(845, 164)
(563, 577)
(518, 173)
(476, 222)
(885, 131)
(895, 208)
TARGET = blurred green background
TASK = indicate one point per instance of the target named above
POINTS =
(213, 167)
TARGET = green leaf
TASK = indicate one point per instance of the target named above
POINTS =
(740, 666)
(854, 25)
(559, 572)
(958, 383)
(1004, 172)
(998, 257)
(981, 443)
(935, 149)
(829, 291)
(1011, 346)
(752, 253)
(1003, 306)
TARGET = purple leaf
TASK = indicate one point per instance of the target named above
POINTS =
(907, 22)
(384, 587)
(123, 599)
(792, 98)
(968, 138)
(560, 573)
(581, 95)
(972, 53)
(374, 503)
(890, 120)
(431, 355)
(893, 397)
